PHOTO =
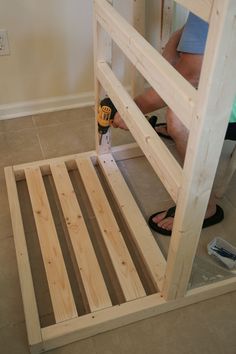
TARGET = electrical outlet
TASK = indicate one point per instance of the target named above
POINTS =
(4, 44)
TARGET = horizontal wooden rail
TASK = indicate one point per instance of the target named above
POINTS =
(201, 8)
(148, 249)
(117, 316)
(177, 92)
(162, 161)
(58, 282)
(44, 165)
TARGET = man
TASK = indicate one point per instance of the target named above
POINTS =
(184, 51)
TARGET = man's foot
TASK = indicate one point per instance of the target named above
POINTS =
(161, 129)
(162, 222)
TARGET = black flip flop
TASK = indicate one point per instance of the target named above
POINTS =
(212, 220)
(153, 121)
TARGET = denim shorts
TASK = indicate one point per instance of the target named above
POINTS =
(193, 39)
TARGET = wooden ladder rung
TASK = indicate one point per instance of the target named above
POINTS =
(86, 261)
(141, 234)
(119, 256)
(58, 282)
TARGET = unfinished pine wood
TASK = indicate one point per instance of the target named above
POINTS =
(93, 282)
(138, 14)
(102, 321)
(26, 281)
(177, 92)
(201, 8)
(159, 156)
(58, 282)
(119, 255)
(205, 144)
(148, 249)
(190, 188)
(102, 52)
(19, 170)
(166, 21)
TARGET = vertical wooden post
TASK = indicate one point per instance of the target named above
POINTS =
(216, 92)
(102, 53)
(138, 12)
(154, 23)
(166, 21)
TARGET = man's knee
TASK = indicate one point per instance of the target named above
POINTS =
(189, 66)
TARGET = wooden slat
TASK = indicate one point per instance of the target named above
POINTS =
(26, 281)
(149, 251)
(204, 145)
(119, 255)
(177, 92)
(159, 156)
(117, 316)
(201, 8)
(59, 286)
(93, 282)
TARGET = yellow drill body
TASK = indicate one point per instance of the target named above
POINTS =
(104, 119)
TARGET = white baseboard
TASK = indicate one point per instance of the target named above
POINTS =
(46, 105)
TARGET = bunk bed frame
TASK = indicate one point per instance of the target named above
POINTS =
(205, 113)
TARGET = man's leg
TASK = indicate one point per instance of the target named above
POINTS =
(190, 67)
(149, 101)
(179, 134)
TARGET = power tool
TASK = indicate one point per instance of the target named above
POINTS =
(105, 117)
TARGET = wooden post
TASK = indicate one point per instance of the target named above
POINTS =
(102, 53)
(206, 138)
(138, 11)
(166, 21)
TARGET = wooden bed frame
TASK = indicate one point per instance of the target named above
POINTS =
(205, 113)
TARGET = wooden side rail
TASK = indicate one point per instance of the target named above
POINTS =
(193, 107)
(206, 139)
(25, 275)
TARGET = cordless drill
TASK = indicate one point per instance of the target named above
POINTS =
(105, 117)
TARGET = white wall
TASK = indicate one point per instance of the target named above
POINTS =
(51, 49)
(51, 61)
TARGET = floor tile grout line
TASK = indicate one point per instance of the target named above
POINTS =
(41, 147)
(12, 324)
(6, 237)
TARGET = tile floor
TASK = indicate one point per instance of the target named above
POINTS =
(208, 327)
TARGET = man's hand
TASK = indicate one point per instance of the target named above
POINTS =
(119, 123)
